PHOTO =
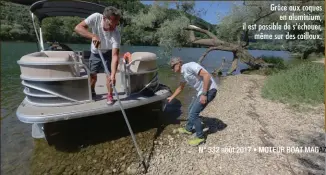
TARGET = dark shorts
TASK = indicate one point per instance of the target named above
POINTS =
(95, 62)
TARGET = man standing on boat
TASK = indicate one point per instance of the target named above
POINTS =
(196, 76)
(105, 37)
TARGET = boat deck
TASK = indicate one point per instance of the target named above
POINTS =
(34, 114)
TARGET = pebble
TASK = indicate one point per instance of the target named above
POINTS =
(98, 152)
(131, 170)
(122, 158)
(123, 166)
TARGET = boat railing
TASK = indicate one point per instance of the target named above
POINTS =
(128, 72)
(52, 81)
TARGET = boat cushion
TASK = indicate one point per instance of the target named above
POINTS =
(48, 56)
(33, 70)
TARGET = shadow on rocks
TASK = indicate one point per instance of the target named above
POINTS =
(72, 135)
(213, 124)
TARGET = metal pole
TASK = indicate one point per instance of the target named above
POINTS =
(123, 112)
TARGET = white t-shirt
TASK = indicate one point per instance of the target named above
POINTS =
(190, 74)
(109, 40)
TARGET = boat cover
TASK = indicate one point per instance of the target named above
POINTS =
(51, 8)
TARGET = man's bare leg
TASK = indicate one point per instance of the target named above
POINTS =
(93, 83)
(110, 90)
(108, 85)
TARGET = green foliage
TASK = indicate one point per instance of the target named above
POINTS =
(141, 22)
(230, 27)
(171, 33)
(4, 31)
(277, 61)
(302, 83)
(16, 23)
(152, 19)
(308, 46)
(160, 26)
(61, 29)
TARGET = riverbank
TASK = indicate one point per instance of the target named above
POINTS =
(240, 117)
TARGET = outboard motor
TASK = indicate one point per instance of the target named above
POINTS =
(55, 46)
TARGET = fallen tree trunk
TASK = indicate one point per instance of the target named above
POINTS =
(218, 70)
(216, 44)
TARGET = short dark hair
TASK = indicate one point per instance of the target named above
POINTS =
(111, 11)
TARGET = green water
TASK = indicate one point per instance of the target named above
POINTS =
(97, 144)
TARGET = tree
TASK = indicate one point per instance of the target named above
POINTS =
(306, 47)
(231, 36)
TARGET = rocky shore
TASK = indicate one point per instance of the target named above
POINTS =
(240, 123)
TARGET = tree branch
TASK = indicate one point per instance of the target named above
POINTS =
(246, 38)
(195, 28)
(219, 69)
(214, 48)
(208, 42)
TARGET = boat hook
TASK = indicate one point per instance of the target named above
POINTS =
(123, 112)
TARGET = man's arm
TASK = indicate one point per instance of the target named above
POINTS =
(115, 60)
(115, 52)
(206, 79)
(177, 91)
(82, 29)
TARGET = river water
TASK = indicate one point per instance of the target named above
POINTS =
(97, 144)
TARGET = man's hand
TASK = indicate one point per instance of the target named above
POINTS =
(96, 41)
(203, 99)
(112, 78)
(170, 99)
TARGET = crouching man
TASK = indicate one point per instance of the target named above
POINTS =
(196, 76)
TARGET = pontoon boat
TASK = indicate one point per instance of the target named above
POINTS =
(57, 83)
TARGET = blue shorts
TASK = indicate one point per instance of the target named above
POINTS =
(95, 62)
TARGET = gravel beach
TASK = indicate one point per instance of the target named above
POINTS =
(241, 122)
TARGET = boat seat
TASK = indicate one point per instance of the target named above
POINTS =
(146, 61)
(52, 78)
(142, 71)
(50, 64)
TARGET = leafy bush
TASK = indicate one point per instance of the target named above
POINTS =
(277, 61)
(303, 83)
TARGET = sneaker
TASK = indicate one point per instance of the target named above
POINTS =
(196, 141)
(109, 99)
(184, 131)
